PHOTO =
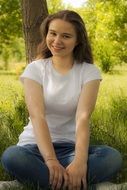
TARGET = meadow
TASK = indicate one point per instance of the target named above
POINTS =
(108, 122)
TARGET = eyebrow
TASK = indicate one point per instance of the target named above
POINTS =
(51, 30)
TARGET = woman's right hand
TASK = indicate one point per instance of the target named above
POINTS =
(58, 174)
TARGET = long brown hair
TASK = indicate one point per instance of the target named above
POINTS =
(82, 52)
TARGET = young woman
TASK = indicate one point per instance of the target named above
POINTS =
(61, 89)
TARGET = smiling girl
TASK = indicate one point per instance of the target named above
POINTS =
(61, 88)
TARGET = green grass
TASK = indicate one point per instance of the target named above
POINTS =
(12, 109)
(109, 120)
(108, 124)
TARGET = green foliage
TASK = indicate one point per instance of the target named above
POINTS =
(5, 56)
(11, 40)
(18, 49)
(54, 6)
(120, 29)
(104, 55)
(12, 52)
(106, 23)
(10, 21)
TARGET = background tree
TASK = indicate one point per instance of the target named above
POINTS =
(33, 13)
(106, 23)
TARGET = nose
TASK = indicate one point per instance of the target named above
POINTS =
(57, 39)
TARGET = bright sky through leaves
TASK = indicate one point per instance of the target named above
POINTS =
(74, 3)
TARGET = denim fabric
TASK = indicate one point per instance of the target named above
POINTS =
(27, 164)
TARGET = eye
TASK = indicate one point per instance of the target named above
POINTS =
(66, 36)
(52, 33)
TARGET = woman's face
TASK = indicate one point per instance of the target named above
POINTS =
(61, 38)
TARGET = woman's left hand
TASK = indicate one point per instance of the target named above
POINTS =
(77, 175)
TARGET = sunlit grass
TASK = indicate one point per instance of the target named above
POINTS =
(109, 120)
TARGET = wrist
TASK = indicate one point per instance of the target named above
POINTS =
(80, 160)
(48, 159)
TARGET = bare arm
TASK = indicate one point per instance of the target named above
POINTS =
(77, 170)
(35, 104)
(85, 108)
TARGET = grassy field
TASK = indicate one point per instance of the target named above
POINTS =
(109, 120)
(108, 124)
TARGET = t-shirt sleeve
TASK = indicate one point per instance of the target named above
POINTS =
(90, 72)
(33, 72)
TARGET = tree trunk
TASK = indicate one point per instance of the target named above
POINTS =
(33, 13)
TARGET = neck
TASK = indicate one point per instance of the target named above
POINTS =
(63, 63)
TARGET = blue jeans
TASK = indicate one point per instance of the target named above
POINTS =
(26, 164)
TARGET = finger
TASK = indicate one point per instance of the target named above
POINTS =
(76, 184)
(59, 180)
(55, 179)
(70, 185)
(51, 175)
(84, 184)
(66, 180)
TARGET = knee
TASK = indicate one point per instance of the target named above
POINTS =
(114, 158)
(10, 157)
(7, 154)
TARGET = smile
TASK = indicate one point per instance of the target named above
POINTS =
(57, 48)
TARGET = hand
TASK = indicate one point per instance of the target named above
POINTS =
(57, 174)
(77, 175)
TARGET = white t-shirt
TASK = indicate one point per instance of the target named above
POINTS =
(61, 95)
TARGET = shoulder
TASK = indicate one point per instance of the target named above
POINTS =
(35, 70)
(90, 72)
(89, 67)
(40, 63)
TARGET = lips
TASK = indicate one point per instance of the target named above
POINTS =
(57, 48)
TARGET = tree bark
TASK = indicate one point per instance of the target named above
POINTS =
(33, 13)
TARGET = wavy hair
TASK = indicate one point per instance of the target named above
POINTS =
(82, 52)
